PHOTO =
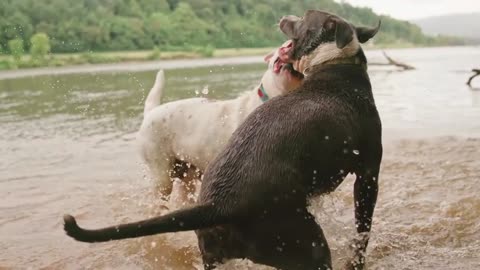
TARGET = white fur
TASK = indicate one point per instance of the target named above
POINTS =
(327, 52)
(153, 98)
(196, 129)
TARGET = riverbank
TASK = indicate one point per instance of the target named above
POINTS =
(135, 61)
(131, 66)
(7, 62)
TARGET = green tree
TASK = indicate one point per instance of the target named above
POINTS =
(98, 25)
(39, 46)
(152, 6)
(159, 28)
(14, 26)
(194, 31)
(16, 49)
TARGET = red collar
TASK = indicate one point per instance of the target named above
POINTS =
(262, 93)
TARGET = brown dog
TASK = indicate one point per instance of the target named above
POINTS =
(253, 200)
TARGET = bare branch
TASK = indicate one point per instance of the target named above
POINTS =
(477, 72)
(392, 62)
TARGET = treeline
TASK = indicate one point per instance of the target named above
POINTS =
(111, 25)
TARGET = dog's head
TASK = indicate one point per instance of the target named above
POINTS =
(284, 77)
(319, 37)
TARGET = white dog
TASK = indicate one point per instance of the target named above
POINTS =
(183, 136)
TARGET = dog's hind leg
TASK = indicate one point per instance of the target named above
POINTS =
(185, 177)
(291, 241)
(160, 168)
(157, 157)
(219, 244)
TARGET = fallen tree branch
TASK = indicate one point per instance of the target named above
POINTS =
(392, 62)
(477, 72)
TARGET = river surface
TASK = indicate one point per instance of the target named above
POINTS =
(67, 145)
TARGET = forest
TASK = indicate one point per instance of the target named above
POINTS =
(169, 25)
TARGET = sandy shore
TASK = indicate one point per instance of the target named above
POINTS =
(131, 66)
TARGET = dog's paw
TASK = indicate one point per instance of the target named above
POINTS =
(357, 249)
(356, 263)
(360, 242)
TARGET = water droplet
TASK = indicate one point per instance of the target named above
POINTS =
(327, 138)
(356, 152)
(205, 90)
(153, 244)
(314, 244)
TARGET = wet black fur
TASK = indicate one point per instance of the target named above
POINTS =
(254, 195)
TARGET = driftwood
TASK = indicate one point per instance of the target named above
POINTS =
(477, 72)
(392, 62)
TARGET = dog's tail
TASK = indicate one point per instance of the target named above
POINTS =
(198, 217)
(155, 95)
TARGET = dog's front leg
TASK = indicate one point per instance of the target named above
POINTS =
(365, 197)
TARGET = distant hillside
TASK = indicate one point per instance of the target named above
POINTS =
(460, 25)
(112, 25)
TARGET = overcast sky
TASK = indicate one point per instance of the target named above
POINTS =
(414, 9)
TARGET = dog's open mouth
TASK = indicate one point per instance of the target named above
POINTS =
(280, 65)
(282, 62)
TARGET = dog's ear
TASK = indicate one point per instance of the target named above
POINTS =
(343, 32)
(366, 33)
(287, 25)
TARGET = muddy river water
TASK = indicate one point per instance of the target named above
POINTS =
(67, 145)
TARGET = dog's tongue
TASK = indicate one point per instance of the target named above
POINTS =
(284, 50)
(283, 57)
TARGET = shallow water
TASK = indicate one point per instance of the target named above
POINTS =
(67, 146)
